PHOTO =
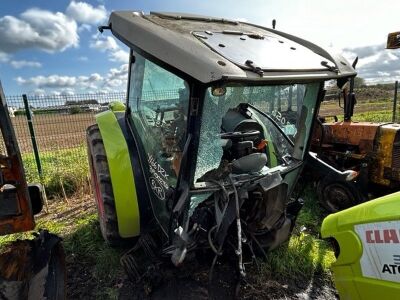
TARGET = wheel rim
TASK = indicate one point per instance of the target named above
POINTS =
(337, 197)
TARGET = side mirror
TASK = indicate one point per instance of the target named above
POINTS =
(36, 196)
(9, 206)
(349, 103)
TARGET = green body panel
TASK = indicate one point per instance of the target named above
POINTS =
(364, 240)
(121, 173)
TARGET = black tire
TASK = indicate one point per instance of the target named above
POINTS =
(55, 286)
(102, 188)
(335, 194)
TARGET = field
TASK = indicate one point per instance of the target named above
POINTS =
(53, 131)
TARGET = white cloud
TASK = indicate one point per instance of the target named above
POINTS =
(84, 27)
(52, 81)
(66, 83)
(67, 91)
(39, 92)
(383, 73)
(122, 71)
(83, 58)
(18, 64)
(115, 80)
(104, 44)
(37, 28)
(109, 45)
(55, 93)
(119, 56)
(4, 57)
(83, 12)
(95, 77)
(376, 64)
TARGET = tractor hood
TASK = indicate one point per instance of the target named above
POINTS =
(210, 49)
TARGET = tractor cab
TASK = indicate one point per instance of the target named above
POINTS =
(215, 133)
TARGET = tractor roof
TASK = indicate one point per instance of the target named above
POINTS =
(210, 49)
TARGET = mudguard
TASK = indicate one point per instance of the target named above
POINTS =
(122, 176)
(368, 235)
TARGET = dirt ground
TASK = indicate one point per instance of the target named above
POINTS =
(332, 107)
(188, 282)
(192, 282)
(53, 131)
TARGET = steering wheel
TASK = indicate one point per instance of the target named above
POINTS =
(236, 135)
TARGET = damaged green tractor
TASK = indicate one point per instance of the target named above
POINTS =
(215, 133)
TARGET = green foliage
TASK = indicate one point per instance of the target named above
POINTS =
(374, 116)
(80, 102)
(75, 110)
(359, 82)
(20, 112)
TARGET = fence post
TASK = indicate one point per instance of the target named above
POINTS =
(33, 137)
(35, 147)
(396, 84)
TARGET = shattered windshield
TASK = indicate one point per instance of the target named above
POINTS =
(246, 129)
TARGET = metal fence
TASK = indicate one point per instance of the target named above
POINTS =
(377, 103)
(51, 134)
(50, 130)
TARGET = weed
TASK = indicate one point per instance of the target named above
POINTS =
(301, 257)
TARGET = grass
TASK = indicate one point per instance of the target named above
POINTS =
(374, 116)
(86, 247)
(304, 254)
(88, 258)
(371, 116)
(302, 257)
(65, 168)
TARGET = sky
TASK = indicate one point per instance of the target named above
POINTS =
(53, 47)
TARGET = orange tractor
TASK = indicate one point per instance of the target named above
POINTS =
(32, 268)
(370, 149)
